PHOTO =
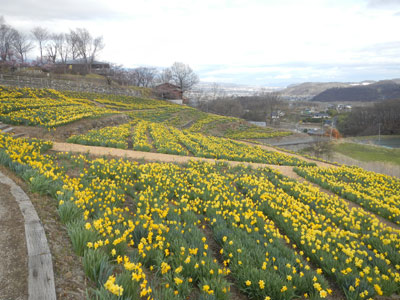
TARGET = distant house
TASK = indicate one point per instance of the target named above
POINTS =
(81, 67)
(320, 116)
(170, 92)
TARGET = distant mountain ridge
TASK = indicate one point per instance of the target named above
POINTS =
(310, 89)
(378, 91)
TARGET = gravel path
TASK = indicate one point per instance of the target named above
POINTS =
(13, 252)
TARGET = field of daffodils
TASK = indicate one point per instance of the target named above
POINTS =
(201, 230)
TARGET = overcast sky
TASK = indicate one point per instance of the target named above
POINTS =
(260, 42)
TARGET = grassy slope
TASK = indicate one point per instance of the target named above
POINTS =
(368, 153)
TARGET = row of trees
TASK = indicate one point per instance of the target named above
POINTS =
(258, 107)
(53, 47)
(382, 117)
(178, 74)
(80, 45)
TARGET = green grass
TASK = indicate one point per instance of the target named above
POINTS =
(368, 153)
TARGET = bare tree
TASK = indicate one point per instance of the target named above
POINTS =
(87, 47)
(143, 76)
(52, 48)
(22, 45)
(183, 76)
(164, 77)
(63, 47)
(41, 35)
(72, 41)
(216, 91)
(7, 38)
(270, 101)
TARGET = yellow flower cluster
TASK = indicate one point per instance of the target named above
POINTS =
(162, 219)
(115, 101)
(165, 141)
(140, 138)
(352, 242)
(112, 287)
(255, 132)
(34, 109)
(173, 141)
(115, 136)
(375, 192)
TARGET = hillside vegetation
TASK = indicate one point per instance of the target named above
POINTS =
(203, 230)
(381, 90)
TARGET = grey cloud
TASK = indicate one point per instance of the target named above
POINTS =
(389, 50)
(385, 4)
(303, 72)
(55, 9)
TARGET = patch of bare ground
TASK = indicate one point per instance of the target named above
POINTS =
(70, 280)
(13, 249)
(61, 133)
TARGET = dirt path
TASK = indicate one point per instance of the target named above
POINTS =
(138, 155)
(13, 251)
(28, 267)
(70, 280)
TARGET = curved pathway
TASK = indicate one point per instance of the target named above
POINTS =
(26, 268)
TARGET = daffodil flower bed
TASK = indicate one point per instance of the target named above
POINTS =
(165, 141)
(114, 101)
(338, 247)
(240, 129)
(108, 137)
(144, 229)
(375, 192)
(173, 141)
(164, 114)
(255, 132)
(31, 107)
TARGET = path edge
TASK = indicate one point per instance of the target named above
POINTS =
(41, 283)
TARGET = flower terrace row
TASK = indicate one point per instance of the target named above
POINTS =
(153, 227)
(375, 192)
(35, 109)
(159, 233)
(147, 136)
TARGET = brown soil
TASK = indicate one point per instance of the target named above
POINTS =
(70, 280)
(13, 250)
(60, 134)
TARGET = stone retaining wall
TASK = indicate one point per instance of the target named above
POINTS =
(63, 85)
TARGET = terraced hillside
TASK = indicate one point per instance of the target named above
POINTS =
(208, 230)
